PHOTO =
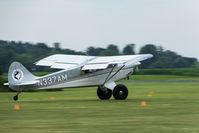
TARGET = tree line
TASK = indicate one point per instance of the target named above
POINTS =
(28, 53)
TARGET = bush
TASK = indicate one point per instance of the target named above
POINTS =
(2, 87)
(1, 71)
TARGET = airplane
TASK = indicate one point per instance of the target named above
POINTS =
(78, 71)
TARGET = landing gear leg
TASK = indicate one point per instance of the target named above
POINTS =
(16, 96)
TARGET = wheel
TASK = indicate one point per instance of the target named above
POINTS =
(104, 95)
(15, 97)
(120, 92)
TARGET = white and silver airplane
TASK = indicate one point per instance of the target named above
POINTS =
(78, 71)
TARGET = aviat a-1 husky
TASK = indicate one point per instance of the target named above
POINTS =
(78, 71)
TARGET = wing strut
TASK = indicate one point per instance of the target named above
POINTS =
(109, 74)
(107, 79)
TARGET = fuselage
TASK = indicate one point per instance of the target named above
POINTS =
(75, 77)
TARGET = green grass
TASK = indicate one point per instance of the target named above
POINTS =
(163, 77)
(173, 108)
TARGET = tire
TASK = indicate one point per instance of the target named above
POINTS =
(15, 98)
(104, 95)
(120, 92)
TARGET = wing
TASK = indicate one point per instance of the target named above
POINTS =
(61, 61)
(104, 62)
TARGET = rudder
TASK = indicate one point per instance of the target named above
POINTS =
(18, 74)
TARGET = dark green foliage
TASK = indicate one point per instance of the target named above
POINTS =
(1, 71)
(109, 51)
(28, 53)
(113, 49)
(149, 49)
(3, 79)
(129, 49)
(164, 59)
(94, 51)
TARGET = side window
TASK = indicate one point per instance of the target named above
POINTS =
(84, 72)
(110, 66)
(87, 71)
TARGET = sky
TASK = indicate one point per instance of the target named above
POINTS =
(78, 24)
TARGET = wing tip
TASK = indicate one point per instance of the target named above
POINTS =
(148, 55)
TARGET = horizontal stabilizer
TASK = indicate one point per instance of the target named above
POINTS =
(24, 84)
(6, 84)
(28, 83)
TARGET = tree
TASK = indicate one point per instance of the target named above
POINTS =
(1, 71)
(42, 45)
(28, 53)
(163, 62)
(180, 63)
(94, 51)
(91, 51)
(41, 49)
(129, 49)
(6, 57)
(149, 49)
(113, 49)
(190, 61)
(108, 52)
(56, 45)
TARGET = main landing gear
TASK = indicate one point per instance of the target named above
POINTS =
(16, 96)
(120, 92)
(104, 93)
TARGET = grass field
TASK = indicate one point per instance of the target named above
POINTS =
(163, 77)
(173, 108)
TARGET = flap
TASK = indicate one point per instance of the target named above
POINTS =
(95, 66)
(44, 63)
(62, 66)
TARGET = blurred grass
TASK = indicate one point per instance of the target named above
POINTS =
(192, 71)
(163, 77)
(173, 108)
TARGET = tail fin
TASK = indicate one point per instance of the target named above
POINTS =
(18, 74)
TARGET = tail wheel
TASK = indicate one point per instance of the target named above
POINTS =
(15, 98)
(104, 94)
(120, 92)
